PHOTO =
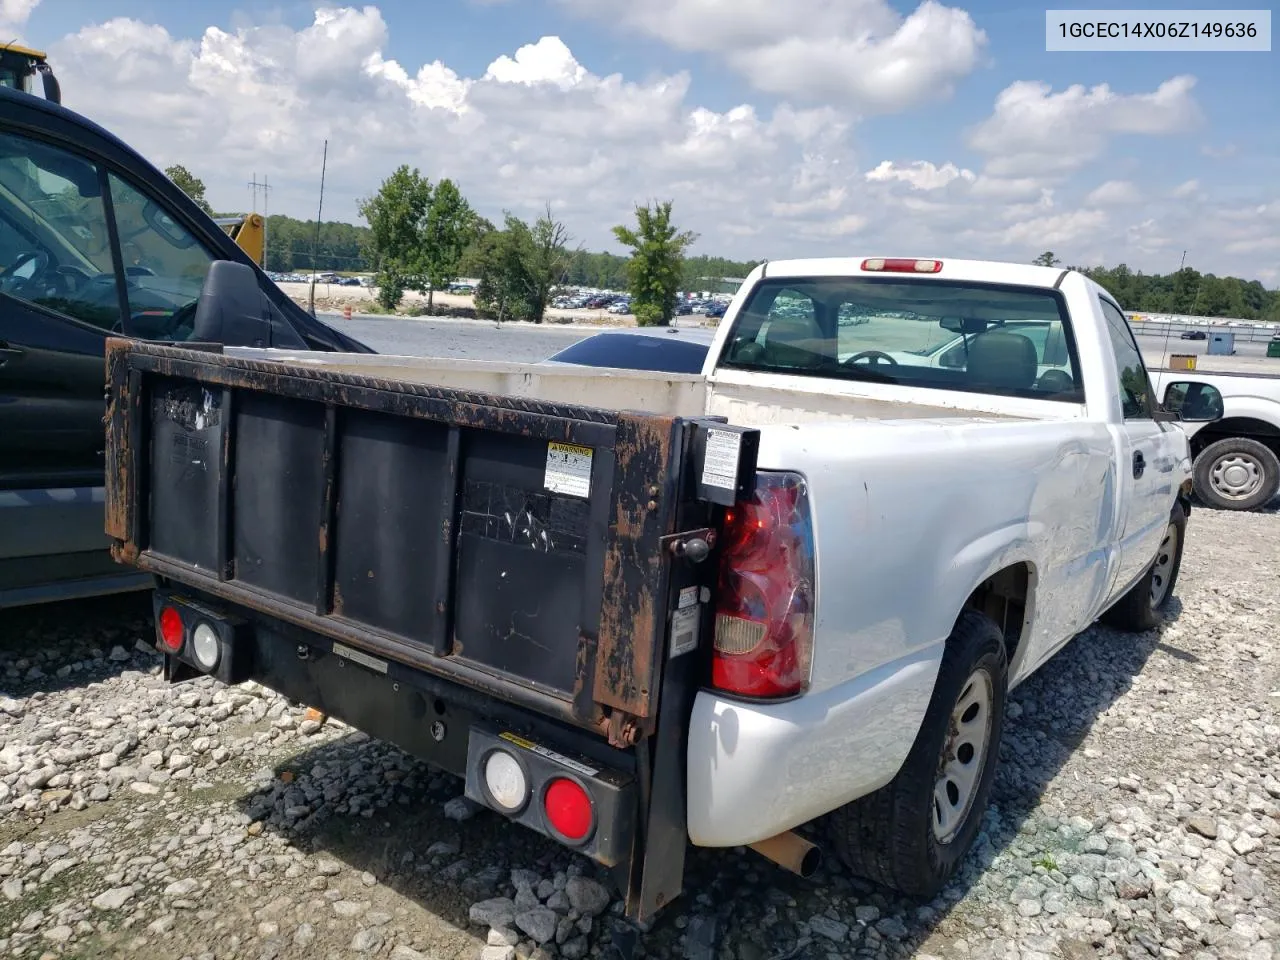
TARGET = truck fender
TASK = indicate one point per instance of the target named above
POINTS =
(1003, 549)
(1239, 407)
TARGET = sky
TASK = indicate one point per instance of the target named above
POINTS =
(777, 128)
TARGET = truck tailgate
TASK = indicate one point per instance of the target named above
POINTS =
(515, 546)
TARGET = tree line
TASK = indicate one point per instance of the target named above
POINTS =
(1186, 291)
(422, 236)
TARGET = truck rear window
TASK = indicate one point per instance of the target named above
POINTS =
(938, 334)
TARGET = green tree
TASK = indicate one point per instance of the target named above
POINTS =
(519, 266)
(1046, 259)
(397, 215)
(189, 184)
(449, 228)
(657, 256)
(547, 262)
(499, 258)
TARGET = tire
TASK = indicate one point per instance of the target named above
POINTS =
(1236, 474)
(895, 836)
(1142, 607)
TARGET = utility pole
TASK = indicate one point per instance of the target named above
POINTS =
(315, 247)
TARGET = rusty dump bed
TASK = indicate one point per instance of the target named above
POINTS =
(517, 547)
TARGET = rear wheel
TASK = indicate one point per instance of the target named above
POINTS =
(913, 833)
(1236, 474)
(1142, 608)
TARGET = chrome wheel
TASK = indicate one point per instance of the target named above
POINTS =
(1237, 476)
(1163, 568)
(963, 756)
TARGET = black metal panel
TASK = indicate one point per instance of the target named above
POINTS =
(393, 512)
(522, 563)
(188, 429)
(278, 492)
(368, 700)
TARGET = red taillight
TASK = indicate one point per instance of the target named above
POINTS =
(568, 808)
(764, 605)
(171, 629)
(898, 265)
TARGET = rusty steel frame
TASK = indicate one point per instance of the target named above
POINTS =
(619, 669)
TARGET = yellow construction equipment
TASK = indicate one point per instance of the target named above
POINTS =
(249, 232)
(28, 70)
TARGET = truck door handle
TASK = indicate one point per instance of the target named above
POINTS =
(1139, 464)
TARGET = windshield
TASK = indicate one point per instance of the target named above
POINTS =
(937, 334)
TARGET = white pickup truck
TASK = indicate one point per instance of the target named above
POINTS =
(1236, 458)
(634, 610)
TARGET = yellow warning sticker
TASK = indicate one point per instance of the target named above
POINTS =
(568, 469)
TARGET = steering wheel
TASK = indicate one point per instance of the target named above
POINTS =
(875, 356)
(7, 279)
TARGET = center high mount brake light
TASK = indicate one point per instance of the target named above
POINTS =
(898, 265)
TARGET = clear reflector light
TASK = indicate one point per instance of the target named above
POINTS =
(204, 644)
(506, 780)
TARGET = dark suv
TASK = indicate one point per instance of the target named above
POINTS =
(94, 242)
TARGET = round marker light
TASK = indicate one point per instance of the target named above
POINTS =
(508, 786)
(171, 629)
(568, 809)
(205, 646)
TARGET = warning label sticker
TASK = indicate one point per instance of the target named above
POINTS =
(684, 631)
(568, 469)
(720, 466)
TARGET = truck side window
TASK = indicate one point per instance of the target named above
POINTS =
(164, 265)
(1135, 386)
(57, 252)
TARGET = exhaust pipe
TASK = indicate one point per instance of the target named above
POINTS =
(791, 852)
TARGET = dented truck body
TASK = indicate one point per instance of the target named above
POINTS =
(436, 567)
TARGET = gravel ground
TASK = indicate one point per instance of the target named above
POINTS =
(1136, 814)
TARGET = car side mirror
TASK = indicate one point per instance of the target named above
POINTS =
(232, 309)
(1192, 402)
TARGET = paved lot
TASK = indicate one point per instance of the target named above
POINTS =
(522, 342)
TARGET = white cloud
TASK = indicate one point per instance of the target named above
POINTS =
(1034, 132)
(1219, 151)
(1055, 230)
(538, 125)
(1188, 188)
(547, 61)
(920, 174)
(13, 16)
(1113, 193)
(859, 52)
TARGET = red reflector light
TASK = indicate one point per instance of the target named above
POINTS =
(892, 265)
(171, 629)
(568, 809)
(764, 601)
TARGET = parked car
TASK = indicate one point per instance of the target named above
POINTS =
(672, 351)
(709, 607)
(1236, 455)
(64, 289)
(1193, 335)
